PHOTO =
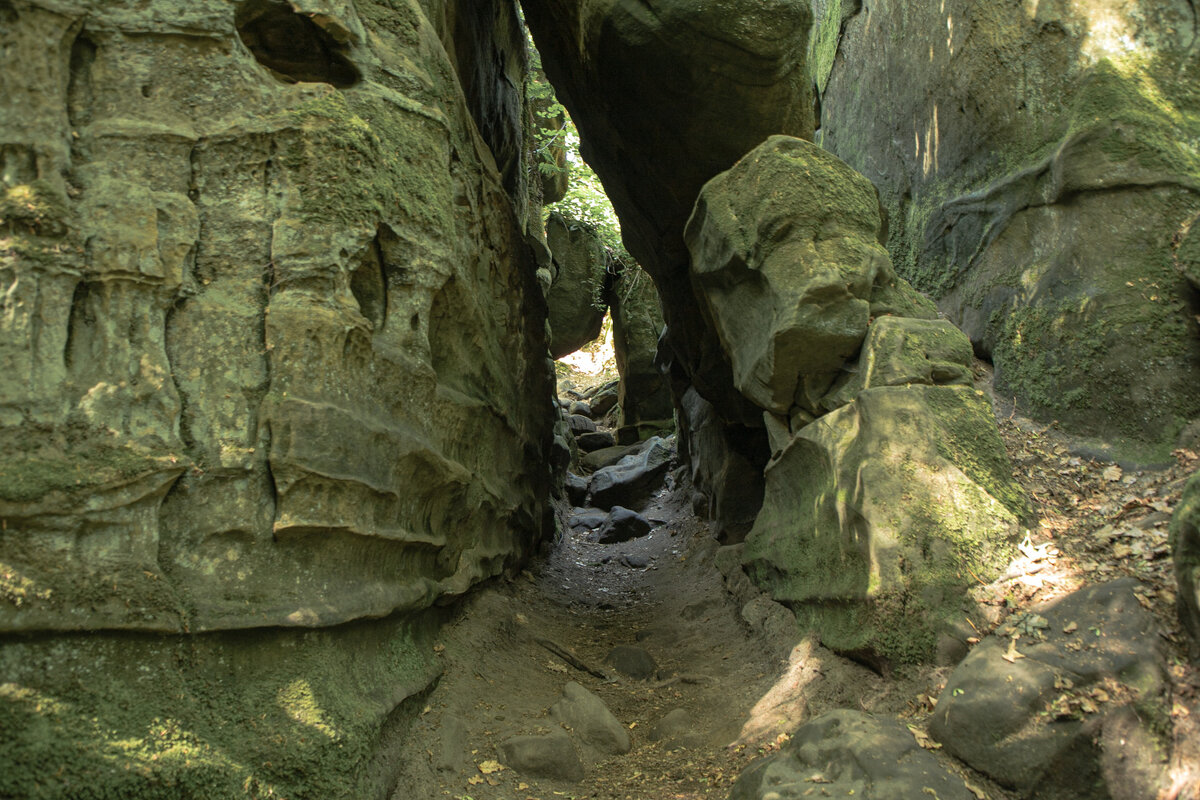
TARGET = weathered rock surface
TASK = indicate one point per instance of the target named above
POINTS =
(849, 753)
(867, 458)
(644, 393)
(576, 487)
(578, 295)
(550, 755)
(634, 479)
(726, 461)
(621, 525)
(676, 730)
(605, 398)
(876, 514)
(271, 355)
(578, 423)
(591, 721)
(632, 661)
(587, 518)
(1035, 165)
(899, 351)
(590, 441)
(1043, 721)
(1185, 552)
(784, 257)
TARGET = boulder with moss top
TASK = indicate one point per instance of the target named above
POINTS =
(879, 516)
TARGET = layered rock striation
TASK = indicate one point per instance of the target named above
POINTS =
(271, 344)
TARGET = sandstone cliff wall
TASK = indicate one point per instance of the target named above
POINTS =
(1039, 165)
(271, 346)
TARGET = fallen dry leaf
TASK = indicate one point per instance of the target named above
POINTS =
(1112, 473)
(490, 766)
(1011, 655)
(923, 738)
(975, 790)
(1071, 627)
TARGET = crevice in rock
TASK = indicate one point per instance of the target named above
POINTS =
(79, 84)
(368, 284)
(81, 324)
(292, 45)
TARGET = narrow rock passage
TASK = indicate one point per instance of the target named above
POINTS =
(721, 693)
(660, 593)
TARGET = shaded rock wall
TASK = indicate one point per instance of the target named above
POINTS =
(1037, 161)
(645, 394)
(667, 94)
(582, 279)
(271, 345)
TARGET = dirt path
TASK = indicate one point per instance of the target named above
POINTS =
(500, 677)
(742, 686)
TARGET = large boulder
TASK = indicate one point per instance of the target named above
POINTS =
(591, 721)
(877, 517)
(1185, 552)
(784, 258)
(1064, 701)
(633, 480)
(1037, 166)
(850, 754)
(578, 296)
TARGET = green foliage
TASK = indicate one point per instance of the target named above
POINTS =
(585, 200)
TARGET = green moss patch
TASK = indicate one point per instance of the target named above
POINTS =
(259, 714)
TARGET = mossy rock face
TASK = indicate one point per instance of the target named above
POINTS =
(900, 351)
(644, 393)
(784, 258)
(296, 714)
(1044, 179)
(272, 356)
(579, 294)
(1185, 551)
(878, 516)
(667, 94)
(243, 354)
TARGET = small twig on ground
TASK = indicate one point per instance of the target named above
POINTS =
(695, 679)
(569, 657)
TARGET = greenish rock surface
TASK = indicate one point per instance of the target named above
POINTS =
(784, 256)
(644, 393)
(1185, 552)
(1036, 166)
(899, 351)
(666, 94)
(284, 713)
(850, 754)
(877, 517)
(272, 356)
(1080, 709)
(579, 293)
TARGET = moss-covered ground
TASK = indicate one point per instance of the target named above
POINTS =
(256, 714)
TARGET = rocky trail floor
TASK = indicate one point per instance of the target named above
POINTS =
(730, 681)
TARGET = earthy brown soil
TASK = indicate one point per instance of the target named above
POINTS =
(745, 687)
